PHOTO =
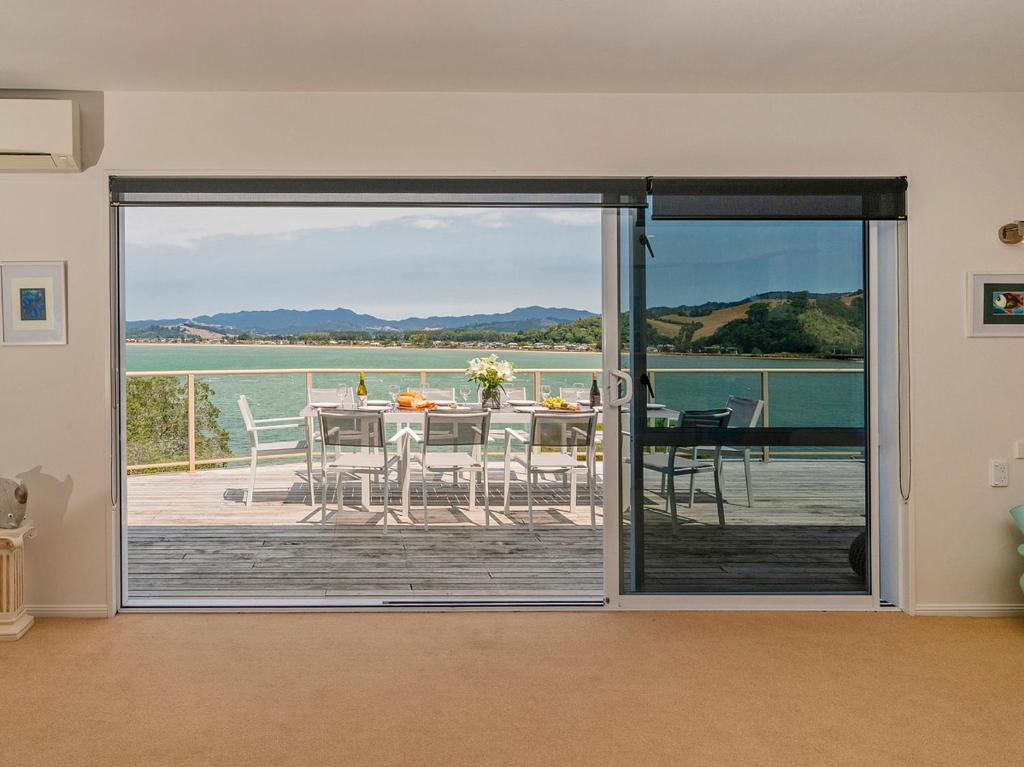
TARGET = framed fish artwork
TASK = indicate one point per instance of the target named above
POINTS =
(995, 305)
(33, 302)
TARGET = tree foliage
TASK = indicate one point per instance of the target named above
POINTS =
(157, 421)
(800, 325)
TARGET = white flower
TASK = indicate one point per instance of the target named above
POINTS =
(490, 370)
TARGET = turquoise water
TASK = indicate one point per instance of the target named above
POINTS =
(795, 399)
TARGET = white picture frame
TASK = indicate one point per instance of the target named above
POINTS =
(984, 318)
(33, 303)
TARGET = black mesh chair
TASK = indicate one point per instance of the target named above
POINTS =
(360, 448)
(670, 465)
(558, 443)
(462, 442)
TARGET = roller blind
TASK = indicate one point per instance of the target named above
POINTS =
(865, 199)
(382, 192)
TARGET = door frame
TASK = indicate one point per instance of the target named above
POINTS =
(614, 596)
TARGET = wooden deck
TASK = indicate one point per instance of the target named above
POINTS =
(190, 535)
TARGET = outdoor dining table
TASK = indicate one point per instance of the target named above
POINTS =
(513, 415)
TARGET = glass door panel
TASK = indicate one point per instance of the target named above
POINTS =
(747, 457)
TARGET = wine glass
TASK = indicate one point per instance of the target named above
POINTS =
(545, 391)
(465, 390)
(581, 393)
(393, 390)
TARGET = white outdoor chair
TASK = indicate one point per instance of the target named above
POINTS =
(670, 465)
(341, 395)
(466, 435)
(575, 393)
(553, 446)
(258, 449)
(514, 392)
(745, 415)
(437, 395)
(360, 448)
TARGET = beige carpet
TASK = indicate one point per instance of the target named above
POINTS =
(514, 688)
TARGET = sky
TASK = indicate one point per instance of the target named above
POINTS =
(392, 263)
(698, 261)
(396, 263)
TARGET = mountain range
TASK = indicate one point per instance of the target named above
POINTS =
(295, 321)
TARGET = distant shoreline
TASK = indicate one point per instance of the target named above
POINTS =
(490, 350)
(499, 352)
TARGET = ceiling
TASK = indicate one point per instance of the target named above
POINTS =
(647, 46)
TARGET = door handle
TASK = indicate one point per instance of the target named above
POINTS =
(646, 381)
(627, 379)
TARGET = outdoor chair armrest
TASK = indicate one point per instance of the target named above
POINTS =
(516, 434)
(289, 419)
(277, 426)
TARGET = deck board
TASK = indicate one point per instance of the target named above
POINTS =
(191, 535)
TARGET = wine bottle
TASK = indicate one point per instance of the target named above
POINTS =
(361, 391)
(595, 393)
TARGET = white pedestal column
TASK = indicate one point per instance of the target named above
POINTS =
(14, 621)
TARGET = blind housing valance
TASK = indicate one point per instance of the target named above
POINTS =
(382, 192)
(864, 199)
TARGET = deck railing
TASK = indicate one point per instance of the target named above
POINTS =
(190, 376)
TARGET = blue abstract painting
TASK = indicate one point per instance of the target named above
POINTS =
(33, 304)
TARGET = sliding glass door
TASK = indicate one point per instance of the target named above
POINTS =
(746, 462)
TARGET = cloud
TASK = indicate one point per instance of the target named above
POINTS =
(587, 217)
(187, 227)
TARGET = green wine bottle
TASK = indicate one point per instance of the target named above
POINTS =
(361, 391)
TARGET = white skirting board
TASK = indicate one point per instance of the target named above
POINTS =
(976, 611)
(69, 611)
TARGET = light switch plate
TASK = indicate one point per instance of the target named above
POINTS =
(1018, 449)
(999, 472)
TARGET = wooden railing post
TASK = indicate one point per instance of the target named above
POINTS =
(765, 451)
(309, 380)
(191, 422)
(423, 378)
(536, 385)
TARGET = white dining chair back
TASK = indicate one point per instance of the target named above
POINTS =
(456, 430)
(574, 394)
(437, 394)
(514, 392)
(247, 419)
(353, 429)
(340, 395)
(745, 412)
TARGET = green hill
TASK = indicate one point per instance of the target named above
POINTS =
(776, 323)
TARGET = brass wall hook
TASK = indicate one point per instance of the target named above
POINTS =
(1012, 233)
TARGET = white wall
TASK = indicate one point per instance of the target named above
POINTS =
(960, 153)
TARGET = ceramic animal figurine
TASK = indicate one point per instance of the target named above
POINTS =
(13, 500)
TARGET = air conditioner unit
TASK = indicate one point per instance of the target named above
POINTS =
(39, 135)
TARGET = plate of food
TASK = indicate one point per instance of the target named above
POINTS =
(557, 403)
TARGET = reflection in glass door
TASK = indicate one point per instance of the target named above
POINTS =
(745, 448)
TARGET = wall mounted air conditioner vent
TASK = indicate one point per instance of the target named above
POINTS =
(39, 135)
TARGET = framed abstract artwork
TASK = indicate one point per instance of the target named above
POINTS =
(33, 302)
(995, 305)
